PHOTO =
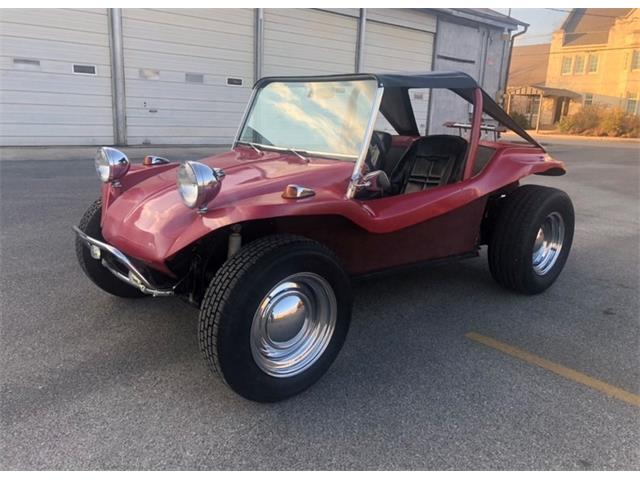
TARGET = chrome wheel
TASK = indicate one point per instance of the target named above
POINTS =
(293, 325)
(548, 243)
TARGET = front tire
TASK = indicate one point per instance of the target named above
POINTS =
(531, 238)
(99, 275)
(275, 317)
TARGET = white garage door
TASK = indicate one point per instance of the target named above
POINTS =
(394, 48)
(308, 42)
(56, 79)
(188, 74)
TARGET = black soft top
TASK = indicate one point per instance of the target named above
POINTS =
(396, 103)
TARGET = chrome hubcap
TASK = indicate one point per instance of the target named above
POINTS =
(548, 243)
(293, 325)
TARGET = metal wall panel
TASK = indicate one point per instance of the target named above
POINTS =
(177, 63)
(459, 47)
(390, 48)
(477, 50)
(42, 101)
(308, 42)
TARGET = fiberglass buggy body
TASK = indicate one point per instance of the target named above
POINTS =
(264, 238)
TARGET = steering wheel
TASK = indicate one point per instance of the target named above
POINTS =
(376, 147)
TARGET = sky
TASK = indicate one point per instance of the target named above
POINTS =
(542, 21)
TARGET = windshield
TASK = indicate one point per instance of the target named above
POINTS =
(316, 117)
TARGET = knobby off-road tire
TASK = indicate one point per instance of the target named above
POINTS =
(258, 300)
(531, 238)
(99, 275)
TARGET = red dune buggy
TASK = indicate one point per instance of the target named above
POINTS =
(264, 238)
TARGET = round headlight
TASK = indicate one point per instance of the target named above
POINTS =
(198, 184)
(111, 164)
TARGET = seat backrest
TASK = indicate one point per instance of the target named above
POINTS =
(429, 162)
(375, 155)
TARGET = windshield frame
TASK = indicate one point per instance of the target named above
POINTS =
(358, 168)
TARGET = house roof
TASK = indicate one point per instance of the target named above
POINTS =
(481, 15)
(529, 64)
(542, 90)
(590, 26)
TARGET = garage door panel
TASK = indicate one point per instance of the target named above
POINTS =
(39, 139)
(44, 102)
(174, 35)
(53, 83)
(157, 90)
(52, 130)
(403, 17)
(407, 55)
(295, 66)
(237, 22)
(53, 50)
(41, 99)
(310, 21)
(308, 42)
(185, 105)
(24, 116)
(18, 111)
(160, 48)
(91, 20)
(392, 48)
(338, 46)
(50, 33)
(169, 118)
(170, 49)
(51, 66)
(183, 131)
(312, 53)
(221, 68)
(178, 76)
(220, 16)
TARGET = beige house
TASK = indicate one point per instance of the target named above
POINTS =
(593, 59)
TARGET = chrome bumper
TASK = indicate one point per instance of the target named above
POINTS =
(134, 277)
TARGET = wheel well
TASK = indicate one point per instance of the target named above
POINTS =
(492, 211)
(198, 263)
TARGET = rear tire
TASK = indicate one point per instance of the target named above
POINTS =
(275, 317)
(99, 275)
(531, 238)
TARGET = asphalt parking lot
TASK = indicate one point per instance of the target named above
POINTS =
(90, 381)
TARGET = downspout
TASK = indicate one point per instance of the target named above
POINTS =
(362, 28)
(118, 97)
(513, 37)
(258, 48)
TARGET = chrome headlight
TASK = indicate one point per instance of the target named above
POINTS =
(111, 164)
(198, 184)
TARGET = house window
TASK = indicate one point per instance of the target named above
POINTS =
(592, 65)
(632, 103)
(588, 99)
(635, 60)
(566, 66)
(578, 67)
(533, 103)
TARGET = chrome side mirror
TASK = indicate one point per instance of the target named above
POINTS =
(376, 181)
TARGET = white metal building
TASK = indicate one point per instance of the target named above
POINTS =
(183, 76)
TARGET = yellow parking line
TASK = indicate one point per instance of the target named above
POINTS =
(556, 368)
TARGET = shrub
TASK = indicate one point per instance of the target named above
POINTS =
(521, 119)
(601, 121)
(581, 122)
(617, 123)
